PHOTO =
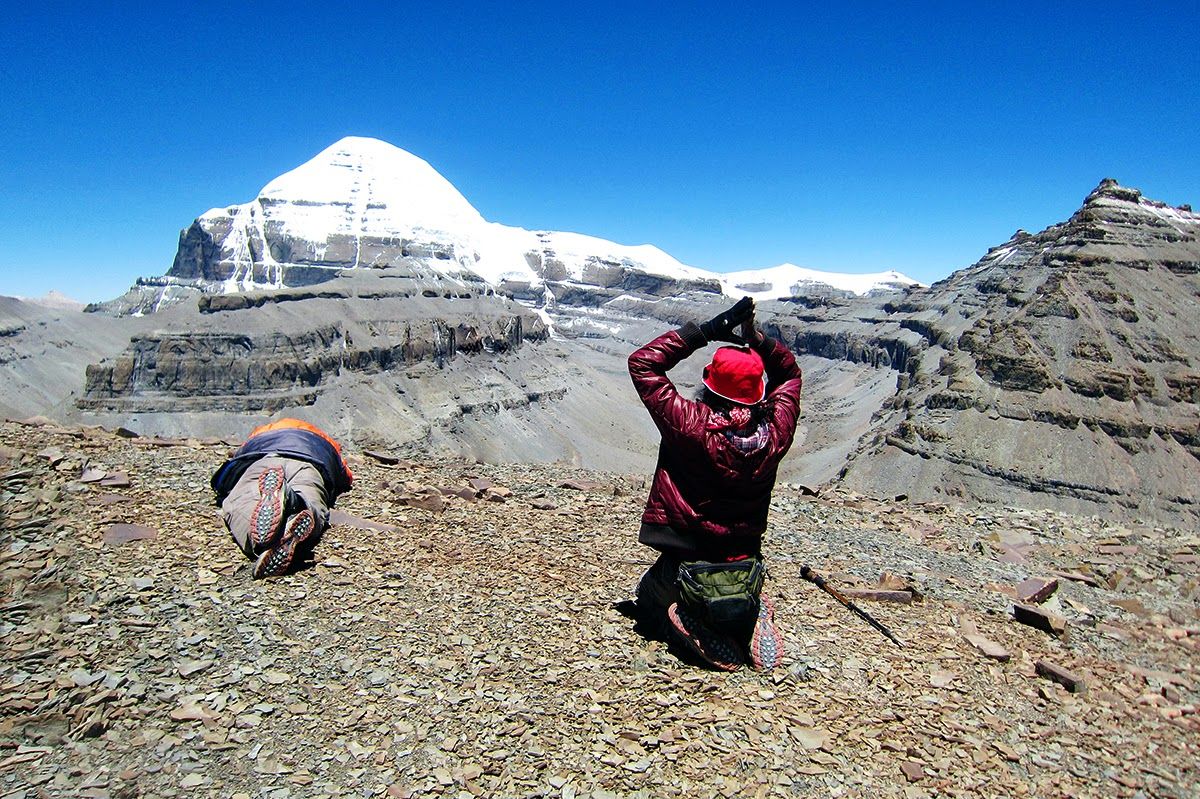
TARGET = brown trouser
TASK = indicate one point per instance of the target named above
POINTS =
(302, 478)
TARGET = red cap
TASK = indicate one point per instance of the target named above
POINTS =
(737, 374)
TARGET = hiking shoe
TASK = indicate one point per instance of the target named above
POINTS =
(766, 643)
(268, 512)
(716, 649)
(277, 561)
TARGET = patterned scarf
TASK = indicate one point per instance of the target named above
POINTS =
(749, 443)
(733, 424)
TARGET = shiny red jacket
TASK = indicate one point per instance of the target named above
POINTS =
(709, 500)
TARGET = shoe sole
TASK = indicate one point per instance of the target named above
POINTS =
(268, 512)
(278, 561)
(718, 651)
(766, 644)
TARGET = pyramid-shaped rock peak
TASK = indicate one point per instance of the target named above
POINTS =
(364, 204)
(359, 203)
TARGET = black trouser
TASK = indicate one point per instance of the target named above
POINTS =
(659, 589)
(656, 592)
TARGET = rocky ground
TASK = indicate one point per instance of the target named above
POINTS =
(458, 636)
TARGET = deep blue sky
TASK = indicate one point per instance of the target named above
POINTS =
(852, 139)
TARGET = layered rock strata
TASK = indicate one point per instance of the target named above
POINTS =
(1062, 369)
(265, 351)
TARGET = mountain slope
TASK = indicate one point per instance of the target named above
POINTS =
(457, 636)
(1063, 369)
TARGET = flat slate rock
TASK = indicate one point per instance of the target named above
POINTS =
(341, 517)
(117, 534)
(1043, 620)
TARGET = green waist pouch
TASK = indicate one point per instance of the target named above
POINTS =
(722, 594)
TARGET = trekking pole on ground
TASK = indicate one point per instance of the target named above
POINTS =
(819, 582)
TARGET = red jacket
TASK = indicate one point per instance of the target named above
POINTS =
(713, 497)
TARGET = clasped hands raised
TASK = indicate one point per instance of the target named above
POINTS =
(721, 326)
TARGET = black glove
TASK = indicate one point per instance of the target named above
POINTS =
(721, 326)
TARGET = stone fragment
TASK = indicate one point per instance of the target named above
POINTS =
(189, 667)
(912, 770)
(125, 432)
(1078, 577)
(1010, 554)
(1036, 590)
(118, 534)
(382, 457)
(36, 421)
(116, 480)
(1000, 588)
(576, 484)
(462, 492)
(1043, 620)
(988, 647)
(341, 517)
(1068, 679)
(877, 595)
(941, 678)
(434, 502)
(52, 454)
(808, 737)
(192, 712)
(1134, 606)
(92, 475)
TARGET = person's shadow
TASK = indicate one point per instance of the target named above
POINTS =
(649, 631)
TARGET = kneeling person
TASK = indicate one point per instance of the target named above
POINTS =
(717, 463)
(276, 491)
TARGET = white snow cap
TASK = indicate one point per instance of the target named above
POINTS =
(389, 191)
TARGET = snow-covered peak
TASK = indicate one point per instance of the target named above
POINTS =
(364, 186)
(364, 203)
(394, 189)
(789, 280)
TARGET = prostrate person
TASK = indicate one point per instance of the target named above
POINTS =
(276, 491)
(707, 509)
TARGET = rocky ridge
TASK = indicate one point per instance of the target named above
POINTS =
(458, 635)
(1062, 370)
(265, 351)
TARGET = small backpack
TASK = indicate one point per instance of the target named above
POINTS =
(723, 595)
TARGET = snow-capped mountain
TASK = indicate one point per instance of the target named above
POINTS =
(363, 203)
(789, 280)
